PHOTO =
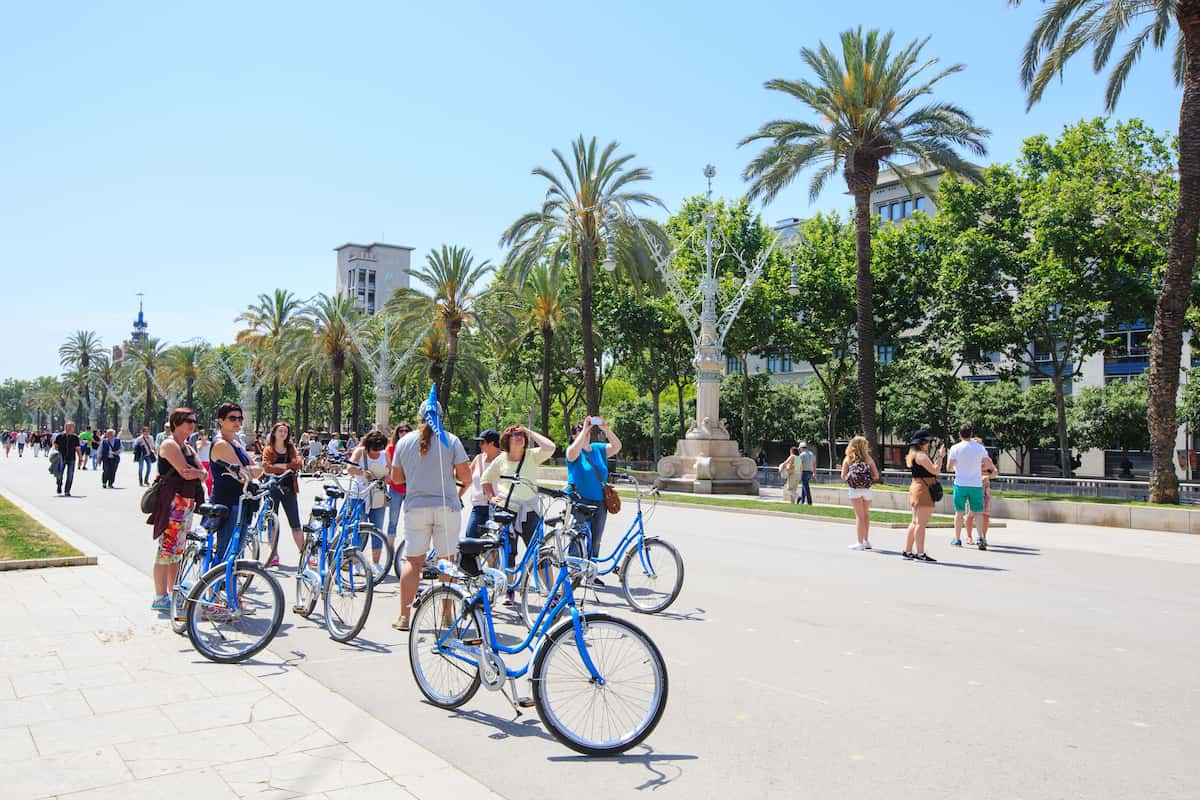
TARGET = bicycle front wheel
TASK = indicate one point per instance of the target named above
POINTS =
(370, 540)
(651, 576)
(308, 580)
(600, 718)
(225, 628)
(348, 595)
(189, 573)
(446, 669)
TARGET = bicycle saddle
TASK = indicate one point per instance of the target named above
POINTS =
(585, 509)
(503, 517)
(216, 510)
(332, 490)
(473, 547)
(323, 512)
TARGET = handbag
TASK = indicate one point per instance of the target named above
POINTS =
(612, 500)
(150, 497)
(936, 491)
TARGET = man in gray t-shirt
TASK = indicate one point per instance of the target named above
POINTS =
(432, 504)
(807, 463)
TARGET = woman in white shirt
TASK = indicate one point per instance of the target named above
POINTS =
(489, 449)
(519, 459)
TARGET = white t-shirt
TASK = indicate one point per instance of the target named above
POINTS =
(968, 459)
(333, 447)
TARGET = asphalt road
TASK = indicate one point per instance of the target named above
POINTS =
(1060, 663)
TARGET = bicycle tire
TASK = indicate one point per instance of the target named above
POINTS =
(307, 591)
(347, 601)
(560, 676)
(651, 599)
(189, 573)
(427, 627)
(268, 537)
(250, 546)
(369, 537)
(208, 607)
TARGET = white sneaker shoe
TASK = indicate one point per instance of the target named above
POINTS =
(859, 546)
(376, 570)
(867, 545)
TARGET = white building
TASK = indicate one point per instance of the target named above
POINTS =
(894, 203)
(371, 273)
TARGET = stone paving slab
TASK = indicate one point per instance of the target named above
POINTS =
(99, 699)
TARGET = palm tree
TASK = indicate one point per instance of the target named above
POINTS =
(149, 355)
(1067, 27)
(271, 320)
(77, 353)
(586, 214)
(188, 363)
(327, 325)
(866, 99)
(452, 276)
(105, 373)
(547, 303)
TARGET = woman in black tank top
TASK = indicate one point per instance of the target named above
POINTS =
(924, 474)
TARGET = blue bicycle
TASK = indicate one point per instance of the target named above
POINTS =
(231, 608)
(599, 682)
(650, 568)
(331, 567)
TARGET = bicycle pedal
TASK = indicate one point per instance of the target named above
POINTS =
(525, 702)
(472, 642)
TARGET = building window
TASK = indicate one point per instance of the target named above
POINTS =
(1036, 379)
(885, 353)
(918, 203)
(908, 208)
(733, 365)
(777, 362)
(1042, 352)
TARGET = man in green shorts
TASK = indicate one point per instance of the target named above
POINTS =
(969, 461)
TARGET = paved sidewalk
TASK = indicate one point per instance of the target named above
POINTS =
(99, 700)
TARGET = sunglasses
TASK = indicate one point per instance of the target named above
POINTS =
(190, 421)
(232, 418)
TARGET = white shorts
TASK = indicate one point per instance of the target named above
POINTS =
(861, 494)
(437, 525)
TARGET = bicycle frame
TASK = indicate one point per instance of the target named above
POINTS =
(228, 558)
(537, 631)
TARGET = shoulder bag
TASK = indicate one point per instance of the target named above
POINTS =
(612, 500)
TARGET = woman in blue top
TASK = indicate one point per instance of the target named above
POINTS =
(587, 468)
(231, 467)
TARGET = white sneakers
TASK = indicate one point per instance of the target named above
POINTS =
(859, 546)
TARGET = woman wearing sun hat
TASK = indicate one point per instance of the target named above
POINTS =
(924, 475)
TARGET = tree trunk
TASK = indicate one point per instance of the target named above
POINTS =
(864, 307)
(191, 387)
(657, 442)
(356, 399)
(336, 426)
(307, 399)
(745, 405)
(149, 399)
(260, 410)
(683, 426)
(296, 429)
(590, 393)
(1064, 448)
(833, 415)
(1166, 341)
(274, 399)
(547, 342)
(452, 332)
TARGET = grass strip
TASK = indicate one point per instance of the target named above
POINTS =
(22, 537)
(836, 512)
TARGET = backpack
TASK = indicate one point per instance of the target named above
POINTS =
(858, 476)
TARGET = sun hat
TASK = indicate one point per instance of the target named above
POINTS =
(922, 436)
(489, 435)
(803, 444)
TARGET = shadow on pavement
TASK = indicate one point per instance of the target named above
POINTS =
(1014, 549)
(941, 563)
(662, 766)
(517, 727)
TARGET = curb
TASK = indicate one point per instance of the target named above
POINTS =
(39, 563)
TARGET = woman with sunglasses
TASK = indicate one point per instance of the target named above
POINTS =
(180, 491)
(232, 466)
(279, 456)
(396, 491)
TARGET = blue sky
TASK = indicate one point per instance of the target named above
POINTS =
(203, 153)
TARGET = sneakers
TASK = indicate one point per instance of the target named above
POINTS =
(509, 599)
(867, 545)
(401, 623)
(162, 603)
(377, 570)
(274, 562)
(956, 542)
(859, 546)
(908, 555)
(923, 557)
(982, 543)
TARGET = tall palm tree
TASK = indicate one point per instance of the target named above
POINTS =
(149, 356)
(867, 100)
(105, 373)
(547, 301)
(453, 278)
(77, 353)
(1067, 27)
(270, 320)
(188, 363)
(327, 326)
(587, 213)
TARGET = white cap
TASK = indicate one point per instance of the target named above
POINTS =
(803, 444)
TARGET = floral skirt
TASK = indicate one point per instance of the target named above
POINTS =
(174, 536)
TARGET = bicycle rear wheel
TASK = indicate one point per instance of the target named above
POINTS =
(308, 581)
(600, 719)
(348, 594)
(224, 633)
(369, 540)
(535, 588)
(652, 576)
(446, 670)
(267, 534)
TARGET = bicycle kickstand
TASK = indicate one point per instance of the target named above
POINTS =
(515, 700)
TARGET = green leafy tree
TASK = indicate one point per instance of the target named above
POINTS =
(1065, 28)
(587, 213)
(326, 330)
(149, 355)
(77, 353)
(1111, 416)
(1013, 419)
(270, 321)
(547, 302)
(870, 103)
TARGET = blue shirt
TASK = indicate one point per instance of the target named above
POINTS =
(589, 472)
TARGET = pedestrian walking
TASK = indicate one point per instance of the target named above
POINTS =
(518, 459)
(21, 439)
(85, 444)
(110, 458)
(231, 467)
(396, 491)
(97, 440)
(8, 442)
(162, 435)
(144, 453)
(67, 445)
(969, 461)
(428, 462)
(789, 471)
(368, 462)
(279, 456)
(808, 470)
(203, 447)
(921, 492)
(985, 519)
(593, 442)
(489, 450)
(860, 473)
(179, 492)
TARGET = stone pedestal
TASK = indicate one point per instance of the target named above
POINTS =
(708, 462)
